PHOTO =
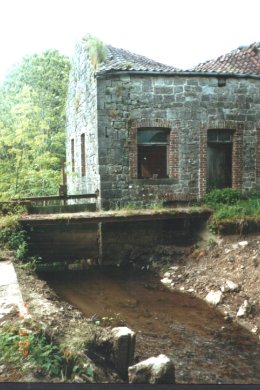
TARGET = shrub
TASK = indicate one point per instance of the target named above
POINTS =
(228, 196)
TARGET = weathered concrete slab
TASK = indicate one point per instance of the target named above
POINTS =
(10, 294)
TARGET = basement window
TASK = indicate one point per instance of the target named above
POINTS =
(83, 155)
(152, 153)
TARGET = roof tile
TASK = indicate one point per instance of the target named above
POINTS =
(120, 59)
(244, 60)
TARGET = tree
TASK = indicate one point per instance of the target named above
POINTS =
(32, 125)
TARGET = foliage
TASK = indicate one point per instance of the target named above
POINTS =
(11, 234)
(97, 50)
(31, 352)
(228, 196)
(32, 122)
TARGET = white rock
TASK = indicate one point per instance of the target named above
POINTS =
(234, 246)
(214, 297)
(182, 288)
(167, 275)
(166, 281)
(174, 268)
(243, 243)
(158, 369)
(243, 309)
(254, 330)
(231, 286)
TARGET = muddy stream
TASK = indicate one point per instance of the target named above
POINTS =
(204, 347)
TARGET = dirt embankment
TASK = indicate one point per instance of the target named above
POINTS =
(225, 270)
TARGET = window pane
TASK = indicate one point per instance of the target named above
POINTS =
(220, 135)
(152, 136)
(152, 162)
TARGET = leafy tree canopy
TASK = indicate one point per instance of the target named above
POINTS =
(32, 125)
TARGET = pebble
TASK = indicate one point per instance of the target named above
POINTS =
(243, 309)
(174, 268)
(166, 281)
(243, 243)
(254, 330)
(214, 297)
(231, 286)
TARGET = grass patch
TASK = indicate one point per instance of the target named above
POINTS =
(231, 206)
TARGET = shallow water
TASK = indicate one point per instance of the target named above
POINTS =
(204, 347)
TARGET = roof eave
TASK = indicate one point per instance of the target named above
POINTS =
(113, 73)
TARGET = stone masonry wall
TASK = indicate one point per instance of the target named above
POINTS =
(82, 119)
(188, 106)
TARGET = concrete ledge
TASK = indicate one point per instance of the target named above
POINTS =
(10, 294)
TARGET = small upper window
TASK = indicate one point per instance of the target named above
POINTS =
(152, 153)
(220, 135)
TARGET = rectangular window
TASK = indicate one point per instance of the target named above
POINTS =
(152, 153)
(72, 155)
(83, 155)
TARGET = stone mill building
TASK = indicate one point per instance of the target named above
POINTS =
(142, 132)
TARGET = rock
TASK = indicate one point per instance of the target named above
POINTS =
(123, 341)
(166, 281)
(243, 243)
(214, 297)
(231, 286)
(174, 268)
(154, 370)
(167, 275)
(2, 369)
(254, 329)
(244, 309)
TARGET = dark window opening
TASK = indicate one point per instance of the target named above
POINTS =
(72, 156)
(83, 155)
(152, 153)
(219, 158)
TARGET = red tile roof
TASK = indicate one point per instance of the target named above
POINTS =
(244, 60)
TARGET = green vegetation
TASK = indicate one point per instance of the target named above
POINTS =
(32, 125)
(97, 50)
(231, 205)
(29, 350)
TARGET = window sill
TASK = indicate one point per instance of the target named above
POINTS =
(158, 182)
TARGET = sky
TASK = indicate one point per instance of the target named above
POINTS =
(181, 33)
